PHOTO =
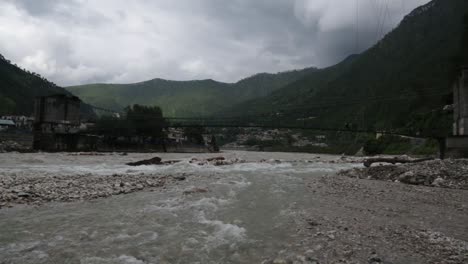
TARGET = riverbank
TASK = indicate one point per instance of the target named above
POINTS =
(16, 189)
(450, 173)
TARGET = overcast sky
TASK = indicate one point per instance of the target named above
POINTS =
(121, 41)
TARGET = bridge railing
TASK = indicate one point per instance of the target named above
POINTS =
(283, 123)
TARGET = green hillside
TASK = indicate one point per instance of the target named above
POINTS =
(407, 74)
(18, 88)
(185, 98)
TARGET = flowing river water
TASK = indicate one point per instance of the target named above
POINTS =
(246, 213)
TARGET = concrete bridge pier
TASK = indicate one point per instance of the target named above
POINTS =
(457, 145)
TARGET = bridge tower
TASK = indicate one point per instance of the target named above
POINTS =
(56, 124)
(458, 143)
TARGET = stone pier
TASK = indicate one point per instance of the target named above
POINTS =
(458, 144)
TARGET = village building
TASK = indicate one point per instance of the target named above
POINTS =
(176, 135)
(6, 124)
(21, 121)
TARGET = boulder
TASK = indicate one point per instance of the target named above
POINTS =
(24, 194)
(180, 178)
(153, 161)
(195, 190)
(215, 159)
(410, 177)
(438, 182)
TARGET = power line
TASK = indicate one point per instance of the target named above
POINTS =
(384, 19)
(326, 103)
(382, 13)
(357, 27)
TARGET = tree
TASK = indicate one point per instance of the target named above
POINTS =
(195, 135)
(146, 121)
(143, 123)
(7, 106)
(113, 126)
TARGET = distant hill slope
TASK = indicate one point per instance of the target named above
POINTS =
(410, 71)
(186, 98)
(18, 88)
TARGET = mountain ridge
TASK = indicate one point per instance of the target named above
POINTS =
(186, 98)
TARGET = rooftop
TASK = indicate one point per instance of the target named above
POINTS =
(4, 122)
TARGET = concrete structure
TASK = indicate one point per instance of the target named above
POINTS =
(460, 100)
(58, 109)
(57, 123)
(458, 144)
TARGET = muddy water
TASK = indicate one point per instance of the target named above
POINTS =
(245, 216)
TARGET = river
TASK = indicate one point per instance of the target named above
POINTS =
(288, 210)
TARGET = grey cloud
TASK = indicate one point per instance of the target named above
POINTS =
(74, 42)
(35, 7)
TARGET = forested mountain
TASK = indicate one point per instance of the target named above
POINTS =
(407, 74)
(18, 88)
(186, 98)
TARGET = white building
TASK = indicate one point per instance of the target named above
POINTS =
(5, 124)
(22, 122)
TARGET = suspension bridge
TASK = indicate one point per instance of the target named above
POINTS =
(275, 121)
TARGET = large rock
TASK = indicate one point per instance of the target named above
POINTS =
(153, 161)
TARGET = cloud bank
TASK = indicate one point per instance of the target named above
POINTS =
(119, 41)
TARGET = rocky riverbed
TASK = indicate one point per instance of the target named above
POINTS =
(436, 173)
(246, 207)
(51, 186)
(16, 189)
(7, 146)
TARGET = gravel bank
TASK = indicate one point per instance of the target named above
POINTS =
(26, 190)
(450, 173)
(354, 221)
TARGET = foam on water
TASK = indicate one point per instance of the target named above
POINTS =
(222, 233)
(123, 259)
(105, 165)
(140, 238)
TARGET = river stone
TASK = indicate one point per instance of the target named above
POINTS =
(281, 261)
(153, 161)
(180, 178)
(438, 182)
(374, 259)
(407, 177)
(23, 194)
(195, 190)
